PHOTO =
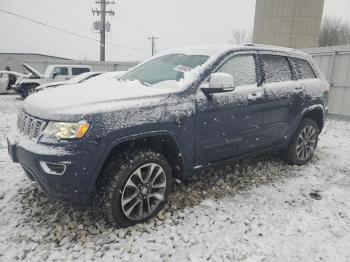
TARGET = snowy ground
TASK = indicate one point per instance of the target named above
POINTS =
(256, 210)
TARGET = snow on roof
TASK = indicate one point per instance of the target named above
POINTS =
(217, 50)
(209, 50)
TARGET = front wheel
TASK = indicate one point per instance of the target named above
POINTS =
(133, 187)
(303, 144)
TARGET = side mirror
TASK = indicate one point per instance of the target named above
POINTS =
(54, 74)
(219, 83)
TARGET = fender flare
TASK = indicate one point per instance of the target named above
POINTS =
(128, 138)
(312, 108)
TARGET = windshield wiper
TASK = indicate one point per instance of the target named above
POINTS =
(145, 83)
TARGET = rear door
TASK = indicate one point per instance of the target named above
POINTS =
(284, 98)
(227, 124)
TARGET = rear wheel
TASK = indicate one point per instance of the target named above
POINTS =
(303, 145)
(134, 187)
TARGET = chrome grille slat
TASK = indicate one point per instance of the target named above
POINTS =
(29, 126)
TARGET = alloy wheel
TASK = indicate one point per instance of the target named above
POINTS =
(144, 191)
(306, 143)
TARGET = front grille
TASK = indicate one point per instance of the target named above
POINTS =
(29, 126)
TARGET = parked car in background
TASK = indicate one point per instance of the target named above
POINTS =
(75, 80)
(5, 80)
(53, 73)
(123, 141)
(90, 76)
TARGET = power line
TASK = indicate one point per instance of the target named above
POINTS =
(54, 14)
(128, 14)
(130, 26)
(73, 21)
(69, 32)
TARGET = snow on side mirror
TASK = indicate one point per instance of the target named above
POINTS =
(219, 83)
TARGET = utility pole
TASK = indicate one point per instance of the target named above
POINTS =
(153, 38)
(101, 25)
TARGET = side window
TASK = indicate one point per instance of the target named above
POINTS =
(303, 69)
(242, 68)
(61, 71)
(77, 71)
(276, 68)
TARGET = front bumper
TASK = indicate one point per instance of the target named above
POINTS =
(73, 186)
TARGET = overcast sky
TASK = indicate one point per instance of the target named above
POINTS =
(175, 22)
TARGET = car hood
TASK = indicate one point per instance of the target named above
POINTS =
(53, 84)
(12, 73)
(89, 98)
(32, 70)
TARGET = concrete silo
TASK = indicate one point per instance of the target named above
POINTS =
(289, 23)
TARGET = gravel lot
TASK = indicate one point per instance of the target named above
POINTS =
(256, 210)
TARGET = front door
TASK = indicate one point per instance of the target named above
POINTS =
(284, 98)
(228, 124)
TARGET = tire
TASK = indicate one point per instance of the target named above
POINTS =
(303, 144)
(120, 181)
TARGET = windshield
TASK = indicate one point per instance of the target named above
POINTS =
(165, 68)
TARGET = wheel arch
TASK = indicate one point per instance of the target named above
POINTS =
(163, 142)
(316, 113)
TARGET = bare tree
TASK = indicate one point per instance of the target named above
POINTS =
(240, 36)
(334, 31)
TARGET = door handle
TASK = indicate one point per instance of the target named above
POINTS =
(255, 96)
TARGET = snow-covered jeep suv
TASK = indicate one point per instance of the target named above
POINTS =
(53, 73)
(122, 142)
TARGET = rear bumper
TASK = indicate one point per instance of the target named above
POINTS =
(72, 186)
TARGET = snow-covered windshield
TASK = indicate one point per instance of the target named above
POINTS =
(165, 68)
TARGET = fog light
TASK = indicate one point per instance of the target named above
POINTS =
(57, 169)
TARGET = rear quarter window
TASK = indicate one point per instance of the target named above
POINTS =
(303, 69)
(276, 68)
(78, 71)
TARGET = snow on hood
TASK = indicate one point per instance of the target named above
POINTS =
(52, 84)
(105, 95)
(94, 97)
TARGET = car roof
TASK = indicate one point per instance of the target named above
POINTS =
(80, 66)
(217, 50)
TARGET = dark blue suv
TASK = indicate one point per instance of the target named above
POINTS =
(123, 141)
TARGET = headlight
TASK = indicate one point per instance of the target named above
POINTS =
(64, 130)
